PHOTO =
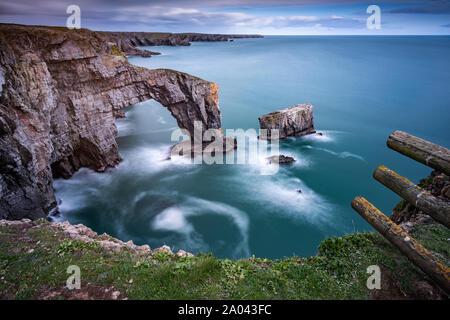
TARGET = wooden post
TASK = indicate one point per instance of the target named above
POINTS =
(428, 153)
(414, 251)
(435, 207)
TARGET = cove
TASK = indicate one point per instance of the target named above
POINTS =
(362, 88)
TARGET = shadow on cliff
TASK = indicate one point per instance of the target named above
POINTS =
(61, 92)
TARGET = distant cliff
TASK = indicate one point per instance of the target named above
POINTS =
(60, 93)
(128, 41)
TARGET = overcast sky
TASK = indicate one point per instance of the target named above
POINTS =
(235, 16)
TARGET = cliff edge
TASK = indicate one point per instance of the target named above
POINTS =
(128, 41)
(60, 93)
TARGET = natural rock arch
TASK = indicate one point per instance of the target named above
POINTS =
(61, 92)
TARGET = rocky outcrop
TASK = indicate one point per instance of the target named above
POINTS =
(407, 215)
(128, 41)
(87, 235)
(60, 93)
(281, 159)
(294, 121)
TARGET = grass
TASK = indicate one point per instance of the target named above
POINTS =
(33, 264)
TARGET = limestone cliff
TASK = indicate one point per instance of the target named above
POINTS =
(128, 41)
(60, 93)
(294, 121)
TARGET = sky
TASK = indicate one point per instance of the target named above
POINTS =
(268, 17)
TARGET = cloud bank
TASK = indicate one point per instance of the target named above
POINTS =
(234, 16)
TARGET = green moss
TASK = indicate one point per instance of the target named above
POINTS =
(436, 238)
(67, 246)
(117, 52)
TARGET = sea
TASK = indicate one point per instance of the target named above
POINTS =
(362, 88)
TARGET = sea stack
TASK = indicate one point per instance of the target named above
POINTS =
(294, 121)
(60, 93)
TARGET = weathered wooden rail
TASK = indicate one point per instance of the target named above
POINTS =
(436, 157)
(407, 245)
(428, 153)
(422, 199)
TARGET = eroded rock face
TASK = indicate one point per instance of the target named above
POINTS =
(407, 215)
(128, 41)
(294, 121)
(60, 93)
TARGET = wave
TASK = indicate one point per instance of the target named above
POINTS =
(343, 155)
(127, 129)
(279, 195)
(172, 219)
(153, 159)
(326, 136)
(282, 194)
(175, 219)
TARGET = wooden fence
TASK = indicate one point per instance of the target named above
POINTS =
(436, 157)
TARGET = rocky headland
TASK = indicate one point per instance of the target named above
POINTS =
(128, 41)
(60, 93)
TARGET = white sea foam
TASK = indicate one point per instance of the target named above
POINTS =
(256, 160)
(175, 219)
(300, 159)
(343, 155)
(72, 202)
(172, 219)
(152, 159)
(85, 183)
(238, 216)
(327, 136)
(280, 194)
(125, 127)
(161, 120)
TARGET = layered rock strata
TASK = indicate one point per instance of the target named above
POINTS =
(60, 93)
(128, 41)
(294, 121)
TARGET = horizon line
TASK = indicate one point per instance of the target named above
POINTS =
(258, 34)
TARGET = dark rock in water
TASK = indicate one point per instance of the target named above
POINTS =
(291, 122)
(319, 133)
(299, 190)
(60, 93)
(281, 159)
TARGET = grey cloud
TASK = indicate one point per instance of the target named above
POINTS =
(437, 7)
(178, 16)
(50, 7)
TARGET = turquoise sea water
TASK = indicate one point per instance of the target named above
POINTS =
(362, 88)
